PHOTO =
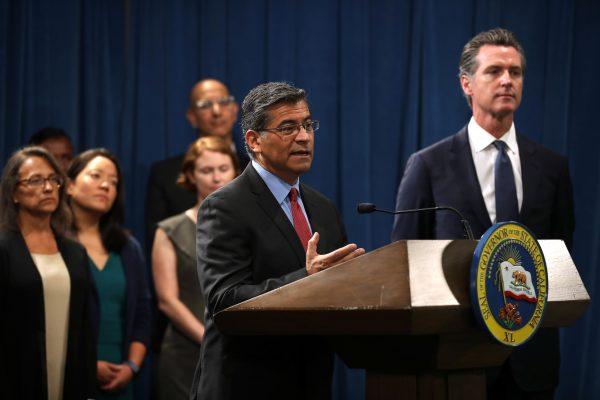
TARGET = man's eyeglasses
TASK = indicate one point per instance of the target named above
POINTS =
(209, 104)
(39, 181)
(289, 130)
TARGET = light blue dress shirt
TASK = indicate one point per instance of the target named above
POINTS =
(280, 190)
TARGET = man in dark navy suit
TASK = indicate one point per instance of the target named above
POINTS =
(464, 170)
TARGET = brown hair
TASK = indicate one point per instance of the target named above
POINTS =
(210, 143)
(61, 217)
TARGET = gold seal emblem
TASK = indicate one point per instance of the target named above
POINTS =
(509, 283)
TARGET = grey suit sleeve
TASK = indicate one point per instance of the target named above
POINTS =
(414, 192)
(224, 252)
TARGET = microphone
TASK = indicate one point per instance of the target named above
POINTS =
(367, 208)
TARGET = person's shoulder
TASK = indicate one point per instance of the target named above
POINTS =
(240, 186)
(546, 154)
(442, 146)
(5, 235)
(70, 248)
(7, 238)
(69, 242)
(168, 161)
(131, 250)
(314, 194)
(167, 164)
(132, 242)
(237, 196)
(174, 221)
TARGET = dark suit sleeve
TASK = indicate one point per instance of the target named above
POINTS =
(4, 383)
(343, 235)
(142, 325)
(224, 251)
(156, 205)
(563, 223)
(414, 192)
(90, 321)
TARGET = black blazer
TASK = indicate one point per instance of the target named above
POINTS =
(246, 246)
(164, 197)
(22, 326)
(444, 174)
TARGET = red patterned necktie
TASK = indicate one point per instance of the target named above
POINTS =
(300, 222)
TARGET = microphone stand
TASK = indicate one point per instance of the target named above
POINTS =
(367, 208)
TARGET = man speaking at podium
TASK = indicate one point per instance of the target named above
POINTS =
(491, 173)
(263, 230)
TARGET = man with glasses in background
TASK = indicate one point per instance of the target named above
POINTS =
(212, 111)
(260, 232)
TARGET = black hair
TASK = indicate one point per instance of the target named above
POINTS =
(48, 133)
(113, 235)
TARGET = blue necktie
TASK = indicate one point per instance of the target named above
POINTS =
(507, 206)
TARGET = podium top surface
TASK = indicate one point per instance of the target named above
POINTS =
(407, 287)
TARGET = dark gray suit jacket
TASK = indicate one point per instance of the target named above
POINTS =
(444, 174)
(246, 246)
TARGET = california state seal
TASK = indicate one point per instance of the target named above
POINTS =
(509, 283)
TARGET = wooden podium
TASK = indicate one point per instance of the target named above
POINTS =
(403, 313)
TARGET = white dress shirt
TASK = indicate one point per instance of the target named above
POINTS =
(56, 284)
(484, 157)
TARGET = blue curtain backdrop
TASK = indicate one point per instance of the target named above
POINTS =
(381, 76)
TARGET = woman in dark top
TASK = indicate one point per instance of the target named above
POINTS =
(208, 164)
(47, 347)
(96, 198)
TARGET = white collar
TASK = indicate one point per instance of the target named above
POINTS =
(480, 139)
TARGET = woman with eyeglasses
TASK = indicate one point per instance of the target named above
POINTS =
(47, 347)
(115, 260)
(209, 163)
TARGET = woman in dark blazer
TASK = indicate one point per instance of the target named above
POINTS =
(95, 191)
(47, 348)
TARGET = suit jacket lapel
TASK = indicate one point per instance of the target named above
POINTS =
(530, 173)
(461, 160)
(27, 259)
(267, 202)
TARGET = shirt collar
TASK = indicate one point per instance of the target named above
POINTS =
(480, 139)
(278, 187)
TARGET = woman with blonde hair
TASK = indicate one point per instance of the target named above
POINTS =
(209, 164)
